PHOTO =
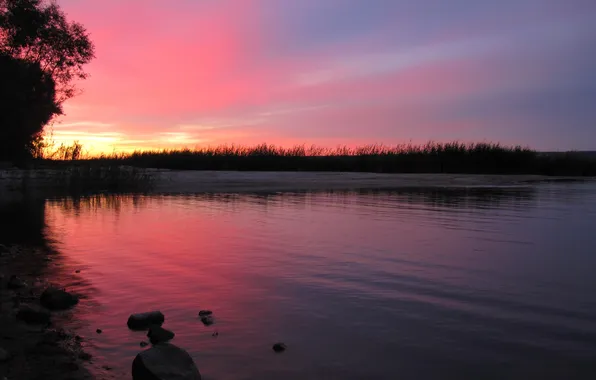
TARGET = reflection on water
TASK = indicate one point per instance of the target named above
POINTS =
(370, 285)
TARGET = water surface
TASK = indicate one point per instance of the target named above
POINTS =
(375, 285)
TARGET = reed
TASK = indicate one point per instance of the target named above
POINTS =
(432, 157)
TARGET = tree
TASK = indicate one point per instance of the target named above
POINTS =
(27, 103)
(38, 31)
(42, 55)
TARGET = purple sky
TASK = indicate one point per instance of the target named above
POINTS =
(328, 72)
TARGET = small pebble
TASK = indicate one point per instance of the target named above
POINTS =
(98, 331)
(77, 271)
(107, 367)
(215, 334)
(204, 313)
(144, 344)
(279, 347)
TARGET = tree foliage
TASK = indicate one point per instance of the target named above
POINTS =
(42, 55)
(27, 103)
(38, 31)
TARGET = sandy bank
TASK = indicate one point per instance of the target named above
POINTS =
(227, 181)
(14, 183)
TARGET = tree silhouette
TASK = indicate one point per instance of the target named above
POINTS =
(27, 103)
(38, 31)
(42, 55)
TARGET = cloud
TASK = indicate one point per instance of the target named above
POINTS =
(78, 124)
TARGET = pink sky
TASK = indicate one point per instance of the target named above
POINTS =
(184, 73)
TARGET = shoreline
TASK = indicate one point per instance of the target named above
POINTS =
(189, 182)
(35, 351)
(16, 184)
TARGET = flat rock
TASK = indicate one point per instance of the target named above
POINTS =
(33, 314)
(158, 334)
(164, 362)
(58, 299)
(141, 321)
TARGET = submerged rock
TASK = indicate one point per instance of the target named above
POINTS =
(15, 283)
(207, 320)
(164, 362)
(33, 314)
(58, 299)
(279, 347)
(141, 321)
(158, 334)
(204, 313)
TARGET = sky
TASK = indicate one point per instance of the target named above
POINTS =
(186, 73)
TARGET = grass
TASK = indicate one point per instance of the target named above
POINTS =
(453, 157)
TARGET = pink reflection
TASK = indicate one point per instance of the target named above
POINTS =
(361, 285)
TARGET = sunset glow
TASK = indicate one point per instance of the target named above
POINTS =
(185, 73)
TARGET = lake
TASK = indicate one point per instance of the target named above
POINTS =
(418, 284)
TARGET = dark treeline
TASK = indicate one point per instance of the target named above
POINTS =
(455, 157)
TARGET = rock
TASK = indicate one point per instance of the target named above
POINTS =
(85, 356)
(164, 362)
(142, 321)
(204, 313)
(215, 334)
(58, 299)
(99, 331)
(279, 347)
(207, 320)
(158, 334)
(77, 271)
(33, 314)
(143, 344)
(4, 355)
(15, 283)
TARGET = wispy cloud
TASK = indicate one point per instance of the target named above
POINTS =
(85, 124)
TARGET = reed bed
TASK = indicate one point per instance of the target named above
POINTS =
(432, 157)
